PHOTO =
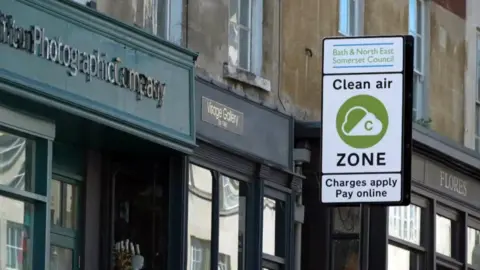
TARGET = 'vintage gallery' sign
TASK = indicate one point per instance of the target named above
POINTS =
(93, 65)
(222, 116)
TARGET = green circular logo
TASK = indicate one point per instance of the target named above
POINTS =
(362, 121)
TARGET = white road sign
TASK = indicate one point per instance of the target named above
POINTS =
(363, 120)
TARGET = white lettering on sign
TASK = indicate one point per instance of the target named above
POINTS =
(453, 183)
(363, 120)
(361, 188)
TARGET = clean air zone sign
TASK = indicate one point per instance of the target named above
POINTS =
(366, 120)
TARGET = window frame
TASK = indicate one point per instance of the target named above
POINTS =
(38, 196)
(347, 25)
(255, 36)
(167, 24)
(270, 261)
(452, 261)
(342, 236)
(67, 237)
(477, 93)
(419, 74)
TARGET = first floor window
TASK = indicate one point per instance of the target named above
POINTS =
(159, 17)
(245, 34)
(346, 17)
(417, 25)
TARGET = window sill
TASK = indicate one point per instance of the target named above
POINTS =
(247, 77)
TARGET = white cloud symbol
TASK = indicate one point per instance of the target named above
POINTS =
(369, 125)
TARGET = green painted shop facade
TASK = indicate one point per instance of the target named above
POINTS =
(88, 105)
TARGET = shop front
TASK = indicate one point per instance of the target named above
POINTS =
(440, 229)
(241, 200)
(96, 126)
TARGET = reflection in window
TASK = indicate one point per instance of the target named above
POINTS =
(345, 254)
(18, 235)
(158, 17)
(61, 258)
(473, 247)
(63, 204)
(403, 259)
(15, 156)
(232, 223)
(239, 33)
(199, 254)
(199, 217)
(273, 226)
(404, 223)
(443, 236)
(346, 219)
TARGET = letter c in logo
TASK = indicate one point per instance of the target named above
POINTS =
(368, 125)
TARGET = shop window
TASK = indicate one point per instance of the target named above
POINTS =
(404, 223)
(15, 166)
(17, 253)
(64, 214)
(346, 235)
(23, 200)
(473, 244)
(404, 259)
(443, 235)
(345, 254)
(205, 188)
(232, 219)
(274, 230)
(159, 17)
(407, 235)
(200, 217)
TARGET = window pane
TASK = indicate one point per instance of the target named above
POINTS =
(199, 217)
(412, 17)
(343, 17)
(404, 222)
(478, 66)
(477, 116)
(403, 259)
(16, 157)
(418, 54)
(63, 206)
(233, 9)
(473, 247)
(346, 219)
(232, 220)
(419, 17)
(61, 258)
(345, 254)
(147, 14)
(443, 236)
(244, 42)
(233, 44)
(273, 226)
(245, 13)
(17, 216)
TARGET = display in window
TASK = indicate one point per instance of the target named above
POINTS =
(141, 217)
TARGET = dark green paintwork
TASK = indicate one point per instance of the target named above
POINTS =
(88, 30)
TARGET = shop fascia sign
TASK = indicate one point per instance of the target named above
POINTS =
(92, 65)
(366, 120)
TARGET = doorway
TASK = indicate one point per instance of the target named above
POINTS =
(139, 189)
